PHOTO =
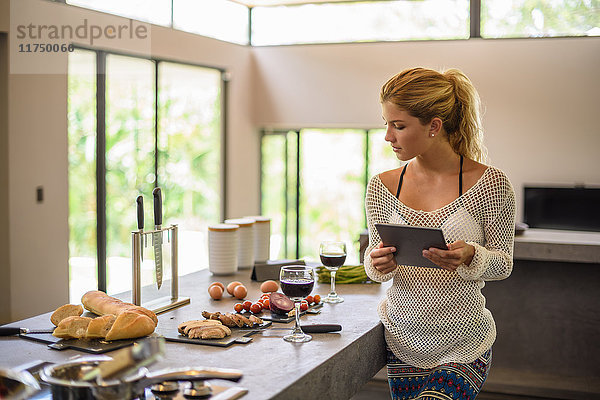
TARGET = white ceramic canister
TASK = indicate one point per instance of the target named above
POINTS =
(262, 237)
(245, 241)
(223, 249)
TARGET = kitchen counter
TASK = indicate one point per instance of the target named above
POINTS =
(558, 245)
(331, 366)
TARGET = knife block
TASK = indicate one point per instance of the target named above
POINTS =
(139, 240)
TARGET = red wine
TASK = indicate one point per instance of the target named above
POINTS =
(333, 260)
(297, 287)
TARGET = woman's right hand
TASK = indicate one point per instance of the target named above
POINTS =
(383, 258)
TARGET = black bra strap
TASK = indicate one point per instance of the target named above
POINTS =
(400, 181)
(460, 177)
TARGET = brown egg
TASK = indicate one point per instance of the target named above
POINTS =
(218, 284)
(232, 286)
(269, 286)
(240, 291)
(215, 292)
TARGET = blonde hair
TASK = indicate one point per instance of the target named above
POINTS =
(450, 96)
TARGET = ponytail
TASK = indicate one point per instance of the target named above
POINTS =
(450, 96)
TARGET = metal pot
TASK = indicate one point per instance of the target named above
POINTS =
(66, 383)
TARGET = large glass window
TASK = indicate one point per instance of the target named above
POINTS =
(332, 179)
(324, 198)
(220, 19)
(82, 172)
(360, 21)
(189, 161)
(129, 159)
(536, 18)
(153, 11)
(182, 119)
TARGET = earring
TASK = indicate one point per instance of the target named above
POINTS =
(431, 134)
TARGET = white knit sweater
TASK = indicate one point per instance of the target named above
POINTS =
(434, 316)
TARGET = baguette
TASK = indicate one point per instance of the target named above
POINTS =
(129, 325)
(100, 304)
(72, 328)
(68, 310)
(99, 327)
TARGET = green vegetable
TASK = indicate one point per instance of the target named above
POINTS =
(346, 274)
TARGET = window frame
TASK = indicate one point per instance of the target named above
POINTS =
(474, 28)
(366, 132)
(101, 54)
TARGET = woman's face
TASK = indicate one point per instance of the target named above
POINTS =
(408, 137)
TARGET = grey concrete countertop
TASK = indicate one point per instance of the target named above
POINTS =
(558, 245)
(331, 366)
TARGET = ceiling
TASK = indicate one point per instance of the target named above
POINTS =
(252, 3)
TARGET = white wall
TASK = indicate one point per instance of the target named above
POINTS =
(540, 95)
(37, 142)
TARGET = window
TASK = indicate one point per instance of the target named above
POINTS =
(149, 105)
(360, 21)
(81, 117)
(153, 11)
(536, 18)
(323, 198)
(220, 19)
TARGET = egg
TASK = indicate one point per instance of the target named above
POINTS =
(215, 292)
(269, 286)
(218, 284)
(232, 286)
(240, 291)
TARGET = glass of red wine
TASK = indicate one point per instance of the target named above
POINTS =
(333, 256)
(297, 282)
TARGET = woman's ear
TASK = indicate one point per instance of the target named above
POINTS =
(435, 126)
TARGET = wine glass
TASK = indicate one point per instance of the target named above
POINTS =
(297, 282)
(333, 255)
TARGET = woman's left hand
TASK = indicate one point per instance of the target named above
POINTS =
(458, 253)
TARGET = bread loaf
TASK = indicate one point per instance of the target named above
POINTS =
(68, 310)
(72, 328)
(100, 303)
(129, 325)
(99, 327)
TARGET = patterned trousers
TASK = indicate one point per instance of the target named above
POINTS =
(449, 381)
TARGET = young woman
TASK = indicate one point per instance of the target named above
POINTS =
(438, 332)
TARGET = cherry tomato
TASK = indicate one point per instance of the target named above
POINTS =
(255, 308)
(317, 299)
(309, 299)
(247, 305)
(266, 303)
(262, 303)
(303, 306)
(238, 307)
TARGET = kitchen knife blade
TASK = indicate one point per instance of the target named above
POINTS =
(140, 218)
(157, 236)
(313, 328)
(13, 330)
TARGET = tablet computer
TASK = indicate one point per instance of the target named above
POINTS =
(410, 241)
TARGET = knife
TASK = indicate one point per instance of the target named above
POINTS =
(314, 328)
(140, 217)
(157, 236)
(13, 330)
